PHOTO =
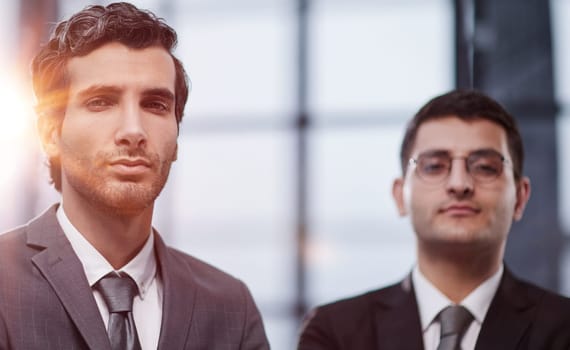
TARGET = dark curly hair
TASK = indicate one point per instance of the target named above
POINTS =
(84, 32)
(465, 105)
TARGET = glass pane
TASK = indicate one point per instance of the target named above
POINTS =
(358, 242)
(240, 64)
(69, 7)
(229, 202)
(374, 56)
(281, 331)
(563, 138)
(560, 10)
(8, 39)
(234, 5)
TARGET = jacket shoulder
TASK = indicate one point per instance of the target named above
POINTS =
(360, 304)
(346, 321)
(527, 314)
(203, 272)
(523, 291)
(211, 284)
(13, 248)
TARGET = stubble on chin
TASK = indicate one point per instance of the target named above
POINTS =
(115, 196)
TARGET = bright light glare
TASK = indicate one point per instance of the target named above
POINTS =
(16, 129)
(16, 110)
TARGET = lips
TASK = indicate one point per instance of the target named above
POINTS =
(460, 210)
(130, 166)
(131, 162)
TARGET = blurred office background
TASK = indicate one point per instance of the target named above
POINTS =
(290, 140)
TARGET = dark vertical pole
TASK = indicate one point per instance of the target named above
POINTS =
(463, 43)
(301, 125)
(513, 63)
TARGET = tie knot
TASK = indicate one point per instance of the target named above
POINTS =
(118, 291)
(454, 320)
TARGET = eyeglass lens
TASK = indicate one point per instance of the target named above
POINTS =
(482, 165)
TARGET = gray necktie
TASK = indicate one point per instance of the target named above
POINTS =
(454, 322)
(118, 292)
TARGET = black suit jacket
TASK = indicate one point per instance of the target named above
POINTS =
(46, 302)
(521, 316)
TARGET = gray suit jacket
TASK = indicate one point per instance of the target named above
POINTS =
(46, 302)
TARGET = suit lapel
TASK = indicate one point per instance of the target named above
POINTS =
(64, 272)
(397, 319)
(510, 315)
(179, 297)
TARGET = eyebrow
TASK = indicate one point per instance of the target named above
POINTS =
(443, 152)
(434, 153)
(99, 90)
(159, 92)
(115, 90)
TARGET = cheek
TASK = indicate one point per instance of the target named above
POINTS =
(500, 205)
(417, 197)
(167, 144)
(161, 129)
(81, 130)
(73, 138)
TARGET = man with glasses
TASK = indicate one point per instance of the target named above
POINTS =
(462, 187)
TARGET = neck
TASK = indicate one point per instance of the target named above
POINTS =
(458, 270)
(118, 237)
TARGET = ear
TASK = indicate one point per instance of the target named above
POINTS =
(523, 195)
(48, 130)
(398, 195)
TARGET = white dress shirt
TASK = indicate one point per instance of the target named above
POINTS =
(147, 306)
(431, 301)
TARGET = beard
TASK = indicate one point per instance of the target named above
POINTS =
(112, 193)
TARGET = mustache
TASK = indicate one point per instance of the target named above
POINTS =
(128, 153)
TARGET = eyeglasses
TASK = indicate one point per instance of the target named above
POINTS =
(434, 167)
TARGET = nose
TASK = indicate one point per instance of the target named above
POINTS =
(131, 129)
(459, 182)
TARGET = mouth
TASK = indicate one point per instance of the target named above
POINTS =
(460, 210)
(130, 166)
(131, 162)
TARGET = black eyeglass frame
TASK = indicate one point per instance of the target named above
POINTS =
(470, 163)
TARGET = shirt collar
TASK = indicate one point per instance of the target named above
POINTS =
(431, 301)
(142, 268)
(479, 300)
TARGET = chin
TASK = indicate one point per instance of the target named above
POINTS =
(127, 198)
(466, 242)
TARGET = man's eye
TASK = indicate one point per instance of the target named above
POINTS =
(157, 106)
(97, 104)
(486, 168)
(433, 166)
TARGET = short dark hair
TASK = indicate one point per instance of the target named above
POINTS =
(466, 105)
(84, 32)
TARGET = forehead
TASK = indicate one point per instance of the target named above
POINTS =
(115, 64)
(459, 137)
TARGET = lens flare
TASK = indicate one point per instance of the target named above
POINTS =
(16, 109)
(17, 138)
